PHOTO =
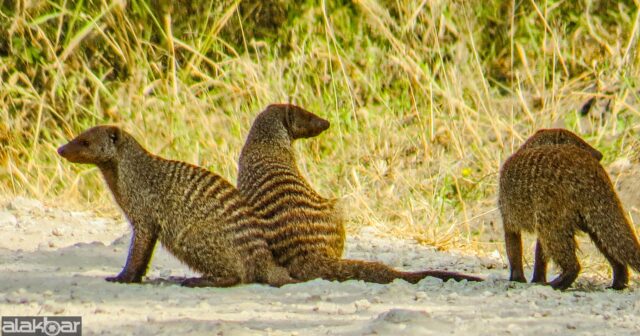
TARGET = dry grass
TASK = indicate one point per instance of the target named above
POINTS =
(426, 98)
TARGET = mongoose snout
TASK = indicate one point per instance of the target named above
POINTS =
(298, 122)
(94, 146)
(72, 152)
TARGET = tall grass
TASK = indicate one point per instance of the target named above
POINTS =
(426, 98)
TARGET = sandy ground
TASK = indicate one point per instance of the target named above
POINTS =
(53, 262)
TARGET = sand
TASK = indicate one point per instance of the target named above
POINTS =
(53, 262)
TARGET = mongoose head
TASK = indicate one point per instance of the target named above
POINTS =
(559, 136)
(297, 122)
(96, 145)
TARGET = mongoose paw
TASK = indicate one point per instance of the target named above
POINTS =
(280, 283)
(518, 279)
(617, 286)
(561, 283)
(539, 280)
(124, 278)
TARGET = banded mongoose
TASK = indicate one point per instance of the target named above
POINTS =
(554, 185)
(305, 230)
(197, 215)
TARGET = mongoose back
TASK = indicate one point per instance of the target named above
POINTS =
(197, 215)
(305, 231)
(554, 186)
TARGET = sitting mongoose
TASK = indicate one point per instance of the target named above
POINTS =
(554, 186)
(197, 215)
(305, 231)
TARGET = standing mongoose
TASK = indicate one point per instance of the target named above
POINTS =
(197, 215)
(305, 231)
(554, 186)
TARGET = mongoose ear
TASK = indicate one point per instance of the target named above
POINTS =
(289, 118)
(597, 154)
(114, 135)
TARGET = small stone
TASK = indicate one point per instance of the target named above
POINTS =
(25, 204)
(362, 305)
(8, 219)
(421, 295)
(57, 232)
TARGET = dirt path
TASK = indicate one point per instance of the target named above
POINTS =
(53, 262)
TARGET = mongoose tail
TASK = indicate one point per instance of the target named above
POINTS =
(369, 271)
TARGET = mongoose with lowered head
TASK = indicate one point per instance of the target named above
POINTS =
(554, 186)
(197, 215)
(305, 231)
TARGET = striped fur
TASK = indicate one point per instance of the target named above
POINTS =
(197, 215)
(305, 231)
(555, 186)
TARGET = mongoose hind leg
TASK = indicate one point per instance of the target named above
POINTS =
(561, 248)
(513, 242)
(140, 252)
(209, 281)
(539, 265)
(620, 270)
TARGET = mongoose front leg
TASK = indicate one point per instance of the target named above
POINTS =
(539, 265)
(513, 242)
(140, 251)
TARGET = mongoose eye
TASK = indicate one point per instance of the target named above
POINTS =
(84, 143)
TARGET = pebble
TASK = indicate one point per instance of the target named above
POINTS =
(25, 204)
(421, 295)
(7, 219)
(362, 305)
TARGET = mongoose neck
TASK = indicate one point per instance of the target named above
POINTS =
(130, 154)
(268, 137)
(269, 128)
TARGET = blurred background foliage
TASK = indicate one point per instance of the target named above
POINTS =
(426, 98)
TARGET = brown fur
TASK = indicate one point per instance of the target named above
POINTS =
(305, 230)
(554, 186)
(197, 215)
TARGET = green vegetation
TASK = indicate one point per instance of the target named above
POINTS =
(426, 98)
